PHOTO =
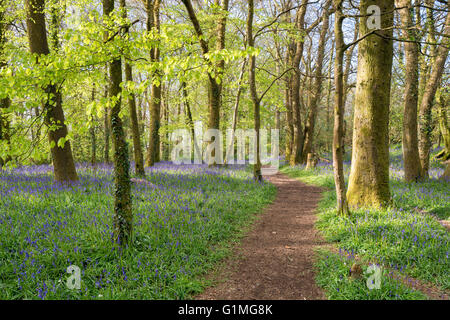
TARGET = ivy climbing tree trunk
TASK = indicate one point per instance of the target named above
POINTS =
(61, 151)
(123, 215)
(425, 125)
(369, 174)
(153, 25)
(410, 143)
(444, 127)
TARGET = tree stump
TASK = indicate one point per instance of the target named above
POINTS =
(311, 162)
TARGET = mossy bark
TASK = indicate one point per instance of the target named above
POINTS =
(369, 175)
(63, 163)
(123, 215)
(410, 137)
(425, 116)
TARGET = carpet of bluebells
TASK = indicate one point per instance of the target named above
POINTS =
(405, 238)
(185, 219)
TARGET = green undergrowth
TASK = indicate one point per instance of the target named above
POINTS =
(405, 237)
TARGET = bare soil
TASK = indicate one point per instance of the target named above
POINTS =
(275, 259)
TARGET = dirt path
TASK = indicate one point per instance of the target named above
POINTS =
(275, 260)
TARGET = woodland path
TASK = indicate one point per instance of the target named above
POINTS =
(275, 259)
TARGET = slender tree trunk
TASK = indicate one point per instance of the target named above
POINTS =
(63, 164)
(236, 109)
(137, 148)
(339, 109)
(215, 86)
(410, 143)
(92, 133)
(425, 126)
(317, 89)
(444, 127)
(254, 95)
(190, 120)
(5, 102)
(123, 215)
(329, 94)
(153, 23)
(296, 155)
(107, 128)
(369, 175)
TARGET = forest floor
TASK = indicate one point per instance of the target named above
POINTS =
(276, 259)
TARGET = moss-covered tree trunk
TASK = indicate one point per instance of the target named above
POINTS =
(410, 139)
(123, 215)
(317, 89)
(63, 163)
(339, 109)
(425, 125)
(369, 175)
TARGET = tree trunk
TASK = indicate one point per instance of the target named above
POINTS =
(369, 175)
(328, 118)
(153, 23)
(339, 108)
(63, 164)
(92, 133)
(107, 129)
(5, 102)
(425, 126)
(296, 155)
(236, 109)
(410, 143)
(215, 86)
(317, 89)
(123, 215)
(257, 175)
(137, 149)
